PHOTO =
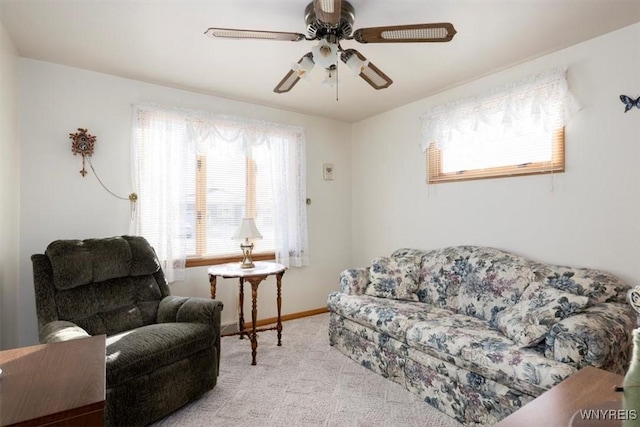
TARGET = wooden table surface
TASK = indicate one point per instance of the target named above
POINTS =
(54, 384)
(590, 388)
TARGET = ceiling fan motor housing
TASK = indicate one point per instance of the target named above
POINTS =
(317, 29)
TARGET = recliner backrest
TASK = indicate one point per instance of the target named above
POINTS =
(105, 286)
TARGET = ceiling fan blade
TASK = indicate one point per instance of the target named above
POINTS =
(369, 72)
(328, 11)
(298, 70)
(232, 33)
(414, 33)
(287, 82)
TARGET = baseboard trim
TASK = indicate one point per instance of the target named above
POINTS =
(285, 317)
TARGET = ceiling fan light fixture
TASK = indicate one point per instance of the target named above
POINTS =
(304, 67)
(331, 77)
(325, 54)
(356, 64)
(365, 69)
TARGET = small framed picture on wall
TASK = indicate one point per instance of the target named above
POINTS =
(327, 171)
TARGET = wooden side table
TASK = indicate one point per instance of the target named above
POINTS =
(254, 276)
(590, 388)
(57, 384)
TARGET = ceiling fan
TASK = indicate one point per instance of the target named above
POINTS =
(330, 22)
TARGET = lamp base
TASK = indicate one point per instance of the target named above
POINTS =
(246, 247)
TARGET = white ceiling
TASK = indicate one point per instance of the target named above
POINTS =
(162, 41)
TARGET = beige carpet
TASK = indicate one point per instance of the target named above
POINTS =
(305, 382)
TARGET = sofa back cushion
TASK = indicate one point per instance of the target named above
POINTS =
(105, 286)
(482, 282)
(441, 273)
(395, 278)
(495, 280)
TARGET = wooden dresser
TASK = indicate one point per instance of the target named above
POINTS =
(589, 389)
(58, 384)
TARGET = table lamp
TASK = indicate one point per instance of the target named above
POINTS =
(247, 230)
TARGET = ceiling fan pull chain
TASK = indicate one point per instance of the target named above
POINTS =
(337, 82)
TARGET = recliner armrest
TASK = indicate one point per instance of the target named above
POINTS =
(193, 310)
(600, 336)
(354, 280)
(61, 330)
(190, 309)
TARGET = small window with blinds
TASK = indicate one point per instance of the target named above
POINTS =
(537, 152)
(510, 131)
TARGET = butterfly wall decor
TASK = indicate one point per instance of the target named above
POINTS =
(629, 102)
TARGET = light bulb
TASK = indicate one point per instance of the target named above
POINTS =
(325, 51)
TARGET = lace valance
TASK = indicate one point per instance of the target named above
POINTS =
(540, 101)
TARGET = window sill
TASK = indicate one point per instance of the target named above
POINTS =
(206, 261)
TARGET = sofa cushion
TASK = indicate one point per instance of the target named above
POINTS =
(391, 277)
(384, 315)
(442, 273)
(529, 321)
(495, 281)
(599, 286)
(469, 343)
(138, 352)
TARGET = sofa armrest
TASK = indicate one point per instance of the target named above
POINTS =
(354, 280)
(61, 330)
(600, 336)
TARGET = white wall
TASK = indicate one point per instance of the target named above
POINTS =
(9, 191)
(591, 218)
(58, 203)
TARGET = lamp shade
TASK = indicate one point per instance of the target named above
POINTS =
(247, 230)
(303, 67)
(357, 65)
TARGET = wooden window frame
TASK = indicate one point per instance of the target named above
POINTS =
(202, 261)
(201, 217)
(556, 165)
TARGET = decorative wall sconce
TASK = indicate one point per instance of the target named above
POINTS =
(82, 142)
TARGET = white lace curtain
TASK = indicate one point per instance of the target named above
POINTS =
(540, 101)
(165, 143)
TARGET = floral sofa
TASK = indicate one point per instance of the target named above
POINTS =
(478, 332)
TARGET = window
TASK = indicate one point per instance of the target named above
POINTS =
(227, 186)
(198, 175)
(533, 153)
(514, 130)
